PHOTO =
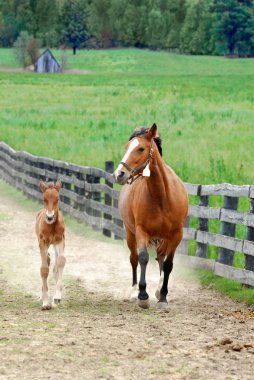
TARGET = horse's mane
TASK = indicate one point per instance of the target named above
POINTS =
(142, 131)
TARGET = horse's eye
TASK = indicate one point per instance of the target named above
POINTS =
(141, 149)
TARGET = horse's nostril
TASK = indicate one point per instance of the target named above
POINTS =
(121, 174)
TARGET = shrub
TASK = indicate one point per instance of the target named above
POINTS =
(26, 49)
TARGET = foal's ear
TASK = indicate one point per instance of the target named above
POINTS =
(152, 132)
(42, 185)
(58, 185)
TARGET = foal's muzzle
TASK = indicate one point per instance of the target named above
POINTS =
(49, 217)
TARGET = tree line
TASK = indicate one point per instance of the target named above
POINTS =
(215, 27)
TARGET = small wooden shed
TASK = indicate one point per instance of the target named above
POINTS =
(46, 63)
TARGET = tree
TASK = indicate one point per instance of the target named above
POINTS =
(26, 49)
(46, 16)
(233, 26)
(100, 24)
(155, 29)
(195, 35)
(74, 23)
(175, 17)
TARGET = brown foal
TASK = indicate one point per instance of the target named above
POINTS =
(50, 231)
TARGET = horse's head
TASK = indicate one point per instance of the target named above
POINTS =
(50, 199)
(139, 151)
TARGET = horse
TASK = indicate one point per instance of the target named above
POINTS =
(50, 230)
(153, 204)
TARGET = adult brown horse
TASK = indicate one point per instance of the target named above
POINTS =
(50, 231)
(153, 204)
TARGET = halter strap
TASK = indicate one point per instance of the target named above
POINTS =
(133, 171)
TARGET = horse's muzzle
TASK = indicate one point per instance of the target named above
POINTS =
(121, 177)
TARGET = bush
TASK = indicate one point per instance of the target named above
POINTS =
(26, 49)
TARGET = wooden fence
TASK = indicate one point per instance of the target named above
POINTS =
(88, 195)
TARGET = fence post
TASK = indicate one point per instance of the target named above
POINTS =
(226, 256)
(96, 196)
(117, 222)
(203, 226)
(80, 192)
(109, 168)
(249, 260)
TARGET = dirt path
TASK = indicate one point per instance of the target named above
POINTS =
(96, 333)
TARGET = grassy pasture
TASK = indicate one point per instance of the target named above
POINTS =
(203, 107)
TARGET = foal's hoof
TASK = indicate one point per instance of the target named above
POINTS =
(46, 307)
(162, 306)
(57, 301)
(145, 304)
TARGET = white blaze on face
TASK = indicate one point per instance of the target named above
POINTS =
(130, 149)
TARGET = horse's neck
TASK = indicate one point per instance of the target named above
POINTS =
(158, 182)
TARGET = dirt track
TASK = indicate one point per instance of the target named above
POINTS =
(96, 333)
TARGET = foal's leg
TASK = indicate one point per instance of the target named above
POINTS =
(131, 242)
(143, 258)
(45, 262)
(58, 271)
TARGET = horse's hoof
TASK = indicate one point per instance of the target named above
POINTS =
(158, 294)
(46, 307)
(134, 294)
(162, 306)
(57, 301)
(145, 304)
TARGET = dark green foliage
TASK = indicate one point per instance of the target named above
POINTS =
(73, 22)
(221, 27)
(233, 26)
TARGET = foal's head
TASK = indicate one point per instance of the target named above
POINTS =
(50, 199)
(139, 151)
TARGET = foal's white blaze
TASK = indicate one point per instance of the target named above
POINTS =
(130, 149)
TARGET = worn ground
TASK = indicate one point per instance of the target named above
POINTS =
(96, 333)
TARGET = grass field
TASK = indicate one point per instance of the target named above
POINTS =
(203, 107)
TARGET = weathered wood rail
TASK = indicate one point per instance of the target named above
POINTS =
(88, 195)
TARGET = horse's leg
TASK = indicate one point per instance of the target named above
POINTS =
(167, 268)
(45, 262)
(132, 245)
(58, 271)
(143, 258)
(160, 259)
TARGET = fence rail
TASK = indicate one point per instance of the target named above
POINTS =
(88, 195)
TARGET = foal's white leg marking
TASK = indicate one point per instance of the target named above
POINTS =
(59, 265)
(45, 297)
(131, 147)
(134, 293)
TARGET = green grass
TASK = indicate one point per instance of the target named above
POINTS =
(230, 288)
(203, 107)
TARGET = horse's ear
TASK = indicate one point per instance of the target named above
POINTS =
(152, 132)
(42, 185)
(58, 185)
